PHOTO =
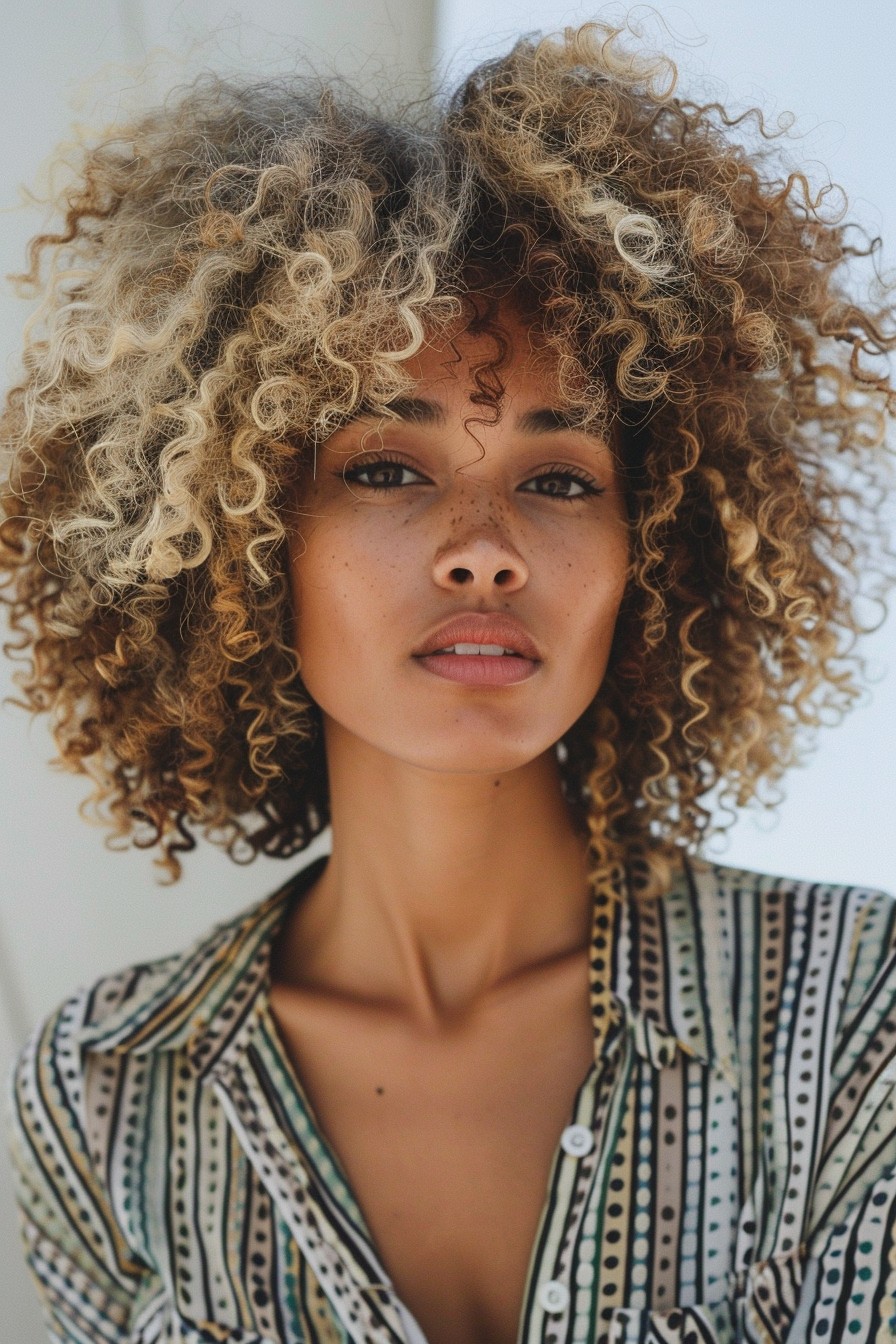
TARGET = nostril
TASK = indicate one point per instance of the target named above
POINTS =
(461, 575)
(503, 575)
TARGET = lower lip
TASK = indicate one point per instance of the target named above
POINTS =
(479, 669)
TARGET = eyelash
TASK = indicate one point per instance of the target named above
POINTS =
(591, 488)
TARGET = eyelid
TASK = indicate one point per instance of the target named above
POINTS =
(365, 457)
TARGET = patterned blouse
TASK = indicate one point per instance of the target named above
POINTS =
(727, 1172)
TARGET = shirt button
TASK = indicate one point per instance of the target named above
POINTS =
(553, 1297)
(577, 1140)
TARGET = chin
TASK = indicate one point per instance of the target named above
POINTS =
(474, 757)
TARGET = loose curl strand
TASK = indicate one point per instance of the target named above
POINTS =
(240, 270)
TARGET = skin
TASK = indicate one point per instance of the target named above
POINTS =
(428, 990)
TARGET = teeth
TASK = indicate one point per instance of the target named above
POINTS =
(493, 650)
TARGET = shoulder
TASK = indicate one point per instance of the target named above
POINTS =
(101, 1042)
(51, 1106)
(144, 1005)
(45, 1079)
(711, 901)
(821, 948)
(728, 958)
(750, 898)
(747, 883)
(92, 1009)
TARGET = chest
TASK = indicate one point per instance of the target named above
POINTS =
(642, 1219)
(447, 1139)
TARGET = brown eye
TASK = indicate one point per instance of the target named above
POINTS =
(384, 474)
(564, 484)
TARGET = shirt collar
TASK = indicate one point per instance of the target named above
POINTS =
(657, 975)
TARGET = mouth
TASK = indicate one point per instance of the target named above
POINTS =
(479, 650)
(478, 664)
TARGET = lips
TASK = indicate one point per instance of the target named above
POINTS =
(481, 628)
(479, 670)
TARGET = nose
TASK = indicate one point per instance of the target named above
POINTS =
(479, 557)
(480, 563)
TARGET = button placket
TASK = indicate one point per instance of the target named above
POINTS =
(367, 1311)
(555, 1298)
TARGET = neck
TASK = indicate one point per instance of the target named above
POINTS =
(440, 886)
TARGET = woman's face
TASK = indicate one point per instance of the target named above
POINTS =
(412, 522)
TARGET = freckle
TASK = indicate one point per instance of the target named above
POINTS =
(379, 1091)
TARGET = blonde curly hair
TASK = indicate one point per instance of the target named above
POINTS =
(242, 269)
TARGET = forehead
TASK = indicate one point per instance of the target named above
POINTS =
(503, 372)
(509, 355)
(509, 370)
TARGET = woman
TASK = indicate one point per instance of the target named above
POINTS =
(493, 485)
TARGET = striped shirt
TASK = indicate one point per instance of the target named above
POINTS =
(726, 1173)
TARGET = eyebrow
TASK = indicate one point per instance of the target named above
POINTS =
(422, 411)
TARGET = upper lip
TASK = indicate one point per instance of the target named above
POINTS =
(479, 627)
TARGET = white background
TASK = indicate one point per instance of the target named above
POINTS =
(69, 909)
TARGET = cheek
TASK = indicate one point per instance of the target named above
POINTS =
(593, 579)
(317, 587)
(339, 585)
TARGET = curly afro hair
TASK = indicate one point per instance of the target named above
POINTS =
(240, 270)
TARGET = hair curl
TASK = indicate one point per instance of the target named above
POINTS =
(240, 270)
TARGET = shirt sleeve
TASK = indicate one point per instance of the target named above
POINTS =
(85, 1274)
(849, 1282)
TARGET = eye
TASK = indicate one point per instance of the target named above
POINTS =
(392, 467)
(564, 483)
(383, 474)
